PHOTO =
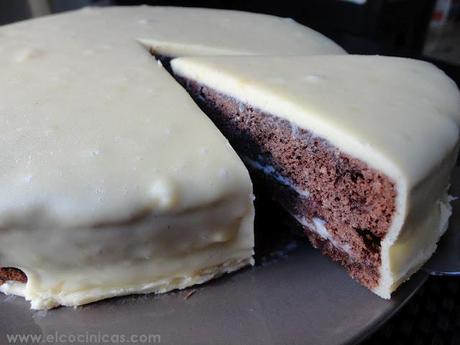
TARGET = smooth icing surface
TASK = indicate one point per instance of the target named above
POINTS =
(400, 116)
(179, 31)
(83, 106)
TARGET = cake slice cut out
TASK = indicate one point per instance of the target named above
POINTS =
(358, 149)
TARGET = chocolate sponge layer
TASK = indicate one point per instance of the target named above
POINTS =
(11, 273)
(313, 180)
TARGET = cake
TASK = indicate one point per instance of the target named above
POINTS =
(358, 149)
(113, 180)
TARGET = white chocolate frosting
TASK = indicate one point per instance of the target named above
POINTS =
(113, 181)
(178, 32)
(121, 109)
(400, 116)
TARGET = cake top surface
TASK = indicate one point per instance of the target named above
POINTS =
(197, 31)
(188, 31)
(93, 130)
(398, 115)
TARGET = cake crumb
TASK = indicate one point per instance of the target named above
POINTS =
(189, 294)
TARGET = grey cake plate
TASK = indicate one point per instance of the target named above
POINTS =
(296, 296)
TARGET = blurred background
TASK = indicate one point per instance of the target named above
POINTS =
(423, 29)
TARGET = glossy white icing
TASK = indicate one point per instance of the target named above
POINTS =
(180, 32)
(113, 181)
(73, 266)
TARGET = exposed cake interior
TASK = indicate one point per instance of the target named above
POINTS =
(344, 206)
(12, 274)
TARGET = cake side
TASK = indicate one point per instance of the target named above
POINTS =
(406, 249)
(74, 266)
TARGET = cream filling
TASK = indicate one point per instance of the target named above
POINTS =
(76, 266)
(271, 171)
(318, 226)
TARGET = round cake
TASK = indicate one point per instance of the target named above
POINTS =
(128, 173)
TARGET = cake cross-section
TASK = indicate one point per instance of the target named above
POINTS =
(358, 149)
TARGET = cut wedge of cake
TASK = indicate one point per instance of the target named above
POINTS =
(113, 181)
(358, 149)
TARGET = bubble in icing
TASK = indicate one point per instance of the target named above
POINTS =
(95, 152)
(28, 54)
(312, 78)
(204, 150)
(163, 195)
